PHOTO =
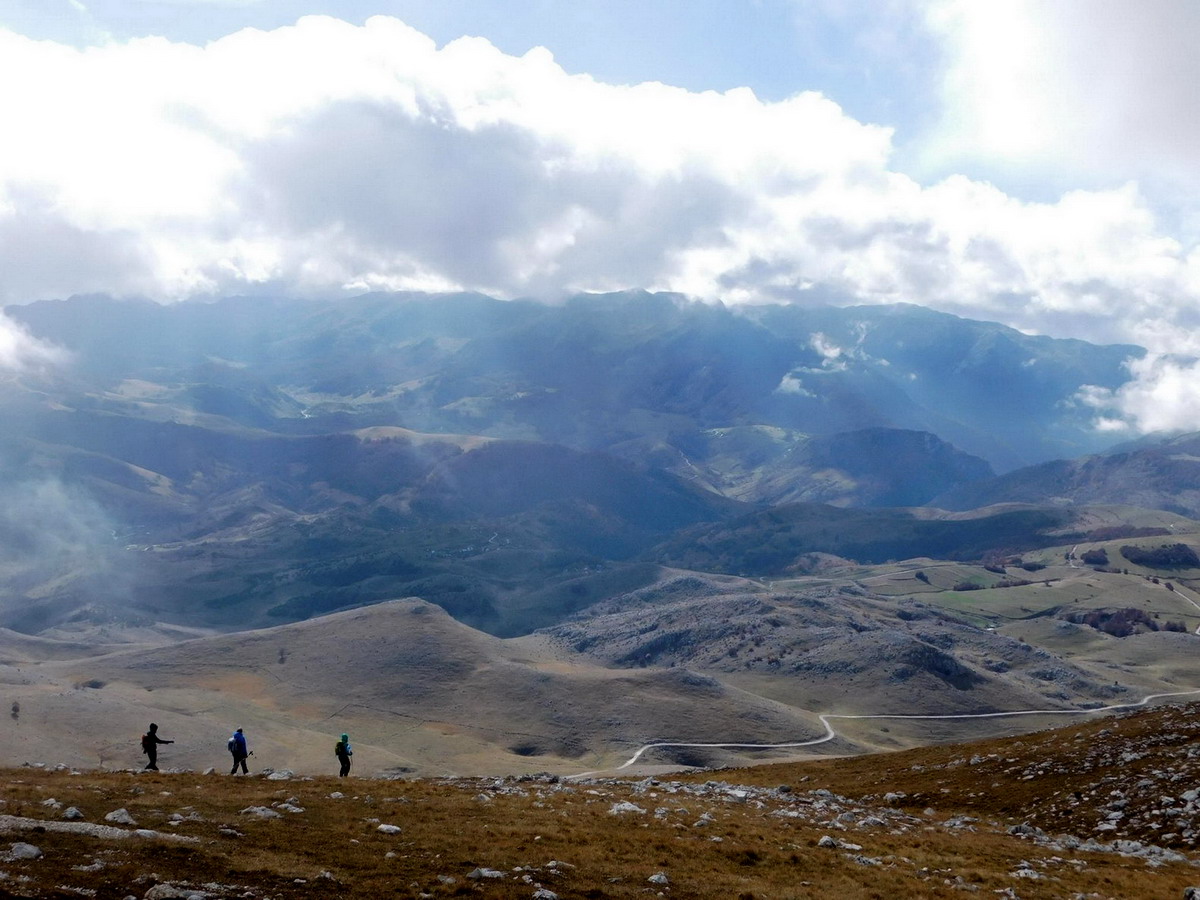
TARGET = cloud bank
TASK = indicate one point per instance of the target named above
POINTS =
(326, 157)
(1088, 86)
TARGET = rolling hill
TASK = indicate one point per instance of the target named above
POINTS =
(1162, 475)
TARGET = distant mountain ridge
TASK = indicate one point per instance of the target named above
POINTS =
(253, 461)
(597, 371)
(1163, 475)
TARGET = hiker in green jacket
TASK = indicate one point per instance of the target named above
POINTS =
(343, 752)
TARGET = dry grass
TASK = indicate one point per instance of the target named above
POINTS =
(760, 844)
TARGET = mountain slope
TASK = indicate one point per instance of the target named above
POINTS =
(874, 467)
(1163, 476)
(416, 688)
(780, 540)
(599, 370)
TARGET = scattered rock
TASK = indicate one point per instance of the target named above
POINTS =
(120, 817)
(174, 892)
(388, 829)
(481, 873)
(625, 807)
(21, 850)
(263, 812)
(659, 878)
(72, 814)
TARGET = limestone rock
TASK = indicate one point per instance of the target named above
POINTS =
(625, 808)
(482, 873)
(263, 812)
(22, 850)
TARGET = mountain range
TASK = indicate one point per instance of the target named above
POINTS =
(500, 536)
(253, 461)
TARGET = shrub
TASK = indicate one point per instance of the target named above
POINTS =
(1117, 622)
(1166, 556)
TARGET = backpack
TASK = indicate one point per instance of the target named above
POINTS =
(232, 745)
(147, 743)
(339, 749)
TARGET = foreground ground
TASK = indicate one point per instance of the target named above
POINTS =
(1100, 810)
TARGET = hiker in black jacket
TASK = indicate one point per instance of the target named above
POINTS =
(150, 742)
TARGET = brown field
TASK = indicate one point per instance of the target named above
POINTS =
(947, 837)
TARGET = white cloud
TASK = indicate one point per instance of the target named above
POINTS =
(20, 351)
(326, 157)
(1090, 86)
(1163, 395)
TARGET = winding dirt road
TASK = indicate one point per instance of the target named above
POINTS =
(830, 733)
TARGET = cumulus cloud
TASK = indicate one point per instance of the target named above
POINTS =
(328, 157)
(21, 352)
(1162, 396)
(1101, 86)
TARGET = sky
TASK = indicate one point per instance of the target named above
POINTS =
(1029, 162)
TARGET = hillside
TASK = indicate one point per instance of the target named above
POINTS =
(778, 541)
(1163, 475)
(423, 691)
(1098, 809)
(874, 467)
(676, 656)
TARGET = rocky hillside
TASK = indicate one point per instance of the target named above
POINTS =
(1101, 809)
(1163, 475)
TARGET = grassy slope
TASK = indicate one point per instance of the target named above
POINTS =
(947, 834)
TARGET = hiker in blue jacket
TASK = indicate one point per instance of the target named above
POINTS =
(343, 752)
(237, 746)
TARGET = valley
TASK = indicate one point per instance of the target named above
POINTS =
(503, 537)
(687, 658)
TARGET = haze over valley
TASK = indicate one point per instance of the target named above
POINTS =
(590, 503)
